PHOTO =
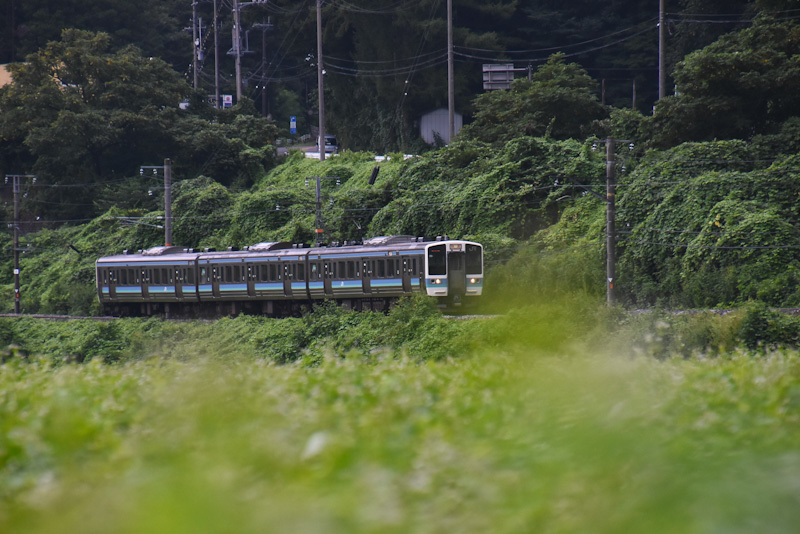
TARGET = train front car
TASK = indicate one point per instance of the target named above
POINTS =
(454, 271)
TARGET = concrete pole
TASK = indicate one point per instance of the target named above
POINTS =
(167, 202)
(237, 49)
(661, 51)
(216, 58)
(611, 231)
(320, 85)
(194, 44)
(451, 91)
(16, 244)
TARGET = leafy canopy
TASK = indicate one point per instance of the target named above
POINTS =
(559, 101)
(742, 85)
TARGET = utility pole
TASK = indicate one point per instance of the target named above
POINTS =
(237, 49)
(167, 202)
(216, 58)
(319, 225)
(167, 169)
(320, 85)
(195, 43)
(451, 91)
(16, 188)
(611, 230)
(661, 50)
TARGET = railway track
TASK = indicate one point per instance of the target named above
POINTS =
(57, 317)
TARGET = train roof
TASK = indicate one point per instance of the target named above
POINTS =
(380, 244)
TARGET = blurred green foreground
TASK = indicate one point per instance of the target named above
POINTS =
(506, 440)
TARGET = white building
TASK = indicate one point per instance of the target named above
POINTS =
(437, 124)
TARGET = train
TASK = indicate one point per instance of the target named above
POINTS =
(282, 278)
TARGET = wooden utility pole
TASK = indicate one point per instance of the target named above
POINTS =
(320, 85)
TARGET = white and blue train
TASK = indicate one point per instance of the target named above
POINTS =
(280, 278)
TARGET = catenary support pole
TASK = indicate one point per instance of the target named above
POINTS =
(611, 231)
(16, 245)
(168, 202)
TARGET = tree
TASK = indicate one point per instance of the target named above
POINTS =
(742, 85)
(81, 116)
(154, 26)
(559, 101)
(77, 112)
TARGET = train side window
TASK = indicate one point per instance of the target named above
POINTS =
(351, 270)
(190, 275)
(381, 269)
(237, 273)
(156, 276)
(314, 271)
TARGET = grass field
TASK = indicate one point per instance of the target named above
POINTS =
(513, 438)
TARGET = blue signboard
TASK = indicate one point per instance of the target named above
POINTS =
(293, 124)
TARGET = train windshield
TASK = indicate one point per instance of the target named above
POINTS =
(474, 259)
(437, 260)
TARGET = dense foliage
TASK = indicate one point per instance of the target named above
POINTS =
(704, 223)
(534, 424)
(84, 118)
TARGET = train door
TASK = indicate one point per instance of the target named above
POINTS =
(406, 274)
(285, 268)
(328, 274)
(216, 275)
(251, 274)
(456, 274)
(176, 276)
(110, 281)
(144, 280)
(366, 274)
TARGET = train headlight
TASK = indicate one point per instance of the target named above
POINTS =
(437, 280)
(473, 280)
